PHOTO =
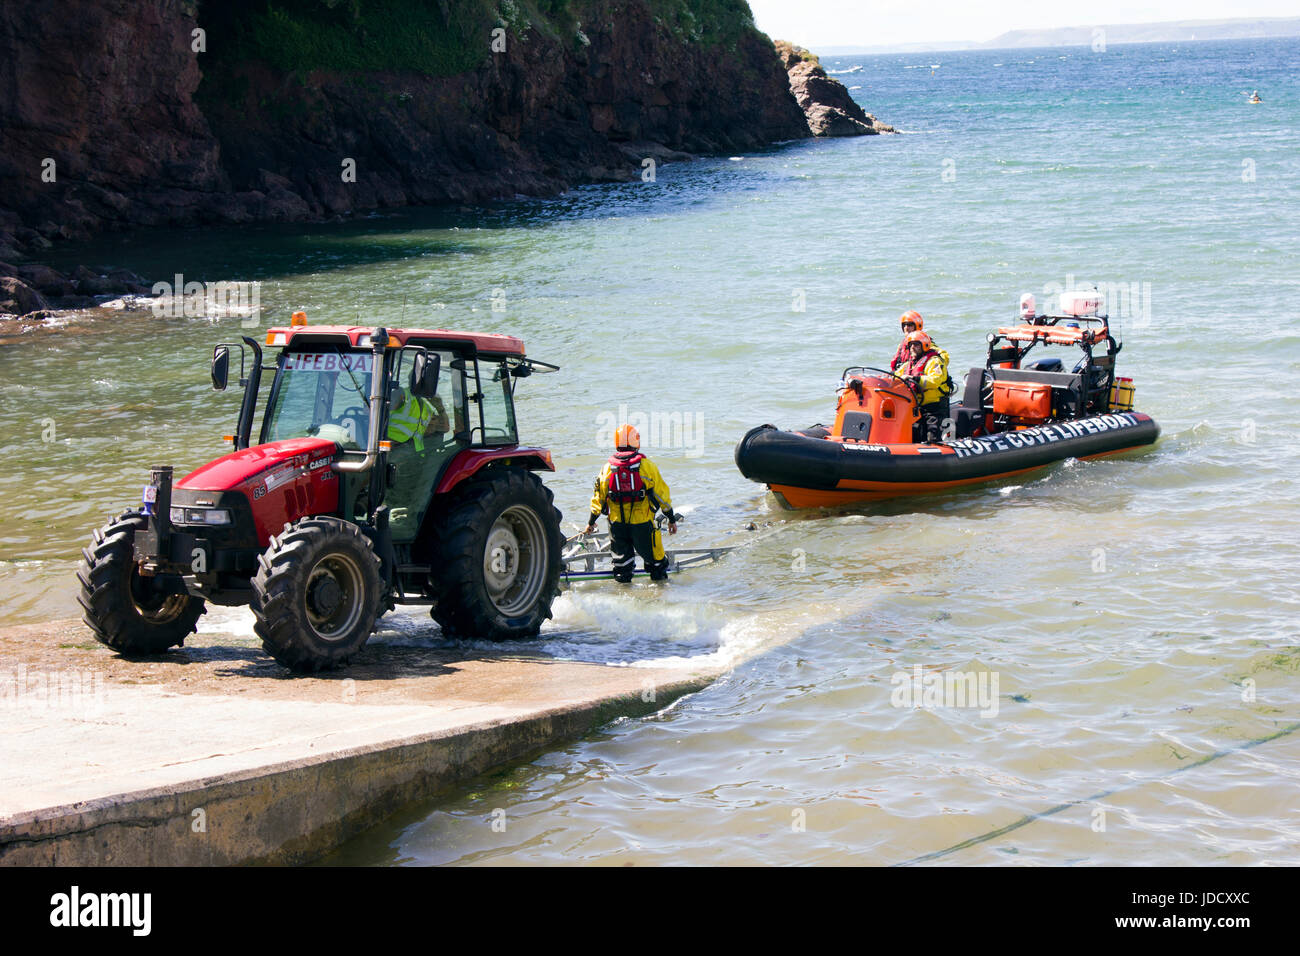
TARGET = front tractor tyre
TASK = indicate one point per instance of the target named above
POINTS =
(499, 557)
(126, 610)
(317, 594)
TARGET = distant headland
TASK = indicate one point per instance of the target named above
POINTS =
(1173, 31)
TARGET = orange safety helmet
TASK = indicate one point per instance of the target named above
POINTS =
(912, 316)
(918, 336)
(627, 437)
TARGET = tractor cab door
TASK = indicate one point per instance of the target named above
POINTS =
(426, 434)
(495, 407)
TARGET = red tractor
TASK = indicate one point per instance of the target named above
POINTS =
(387, 470)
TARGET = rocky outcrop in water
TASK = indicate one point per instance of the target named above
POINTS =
(33, 291)
(118, 114)
(18, 298)
(828, 106)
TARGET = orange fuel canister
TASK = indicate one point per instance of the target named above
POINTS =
(1026, 401)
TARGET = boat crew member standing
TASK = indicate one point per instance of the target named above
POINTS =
(926, 370)
(910, 322)
(630, 489)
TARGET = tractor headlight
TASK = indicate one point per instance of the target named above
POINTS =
(219, 516)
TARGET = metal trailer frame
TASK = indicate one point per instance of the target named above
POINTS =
(583, 557)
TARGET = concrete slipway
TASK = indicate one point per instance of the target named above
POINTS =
(214, 754)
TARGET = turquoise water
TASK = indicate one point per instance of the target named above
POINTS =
(1139, 613)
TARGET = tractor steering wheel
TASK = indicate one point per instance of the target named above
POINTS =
(358, 417)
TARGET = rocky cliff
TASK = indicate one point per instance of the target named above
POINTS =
(126, 113)
(828, 106)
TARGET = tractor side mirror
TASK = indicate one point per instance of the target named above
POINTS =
(424, 375)
(220, 368)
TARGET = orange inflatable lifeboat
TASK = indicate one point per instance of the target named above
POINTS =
(1013, 418)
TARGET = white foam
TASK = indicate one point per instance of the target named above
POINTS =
(236, 621)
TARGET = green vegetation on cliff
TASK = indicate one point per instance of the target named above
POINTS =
(434, 37)
(710, 22)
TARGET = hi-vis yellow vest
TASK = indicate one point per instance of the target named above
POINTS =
(409, 420)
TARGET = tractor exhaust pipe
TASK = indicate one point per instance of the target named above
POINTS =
(378, 344)
(248, 407)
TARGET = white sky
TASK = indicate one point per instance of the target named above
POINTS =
(813, 23)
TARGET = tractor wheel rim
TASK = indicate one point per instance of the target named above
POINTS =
(334, 596)
(514, 560)
(154, 606)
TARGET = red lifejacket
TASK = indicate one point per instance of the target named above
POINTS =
(625, 486)
(916, 367)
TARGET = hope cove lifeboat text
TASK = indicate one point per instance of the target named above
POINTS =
(1043, 434)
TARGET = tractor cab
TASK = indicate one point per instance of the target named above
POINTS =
(430, 396)
(387, 469)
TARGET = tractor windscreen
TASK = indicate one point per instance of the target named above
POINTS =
(322, 393)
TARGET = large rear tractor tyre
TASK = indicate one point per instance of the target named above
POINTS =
(128, 612)
(498, 569)
(317, 594)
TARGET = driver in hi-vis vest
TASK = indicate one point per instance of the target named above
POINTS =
(412, 417)
(410, 420)
(630, 490)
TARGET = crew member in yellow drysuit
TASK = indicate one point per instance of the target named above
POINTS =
(926, 370)
(630, 489)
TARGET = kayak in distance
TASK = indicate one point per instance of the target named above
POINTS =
(1014, 417)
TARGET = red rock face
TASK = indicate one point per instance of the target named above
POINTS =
(828, 106)
(103, 88)
(107, 89)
